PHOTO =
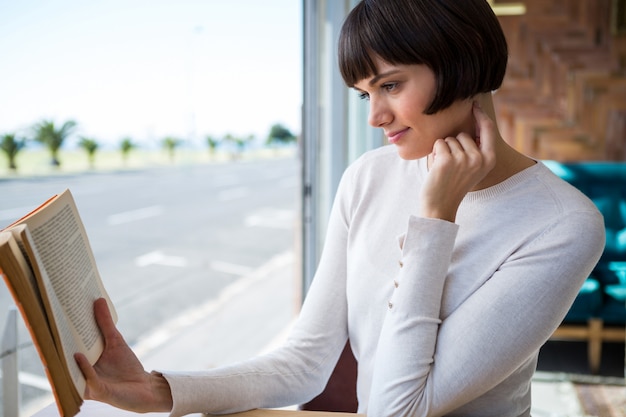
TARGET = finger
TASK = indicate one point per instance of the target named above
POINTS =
(467, 142)
(88, 371)
(456, 147)
(104, 319)
(439, 148)
(83, 363)
(442, 145)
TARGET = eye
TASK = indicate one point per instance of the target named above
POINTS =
(364, 96)
(389, 86)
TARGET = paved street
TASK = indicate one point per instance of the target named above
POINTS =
(176, 247)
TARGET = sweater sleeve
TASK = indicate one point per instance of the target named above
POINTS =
(297, 371)
(426, 367)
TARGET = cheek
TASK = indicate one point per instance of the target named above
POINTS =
(433, 127)
(448, 122)
(451, 121)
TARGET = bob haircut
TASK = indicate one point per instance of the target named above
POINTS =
(461, 41)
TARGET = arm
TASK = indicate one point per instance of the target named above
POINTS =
(293, 374)
(438, 368)
(297, 371)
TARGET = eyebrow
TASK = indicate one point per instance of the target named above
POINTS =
(377, 77)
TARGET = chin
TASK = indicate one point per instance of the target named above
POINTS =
(411, 154)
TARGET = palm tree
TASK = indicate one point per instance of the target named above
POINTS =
(91, 146)
(11, 146)
(212, 143)
(47, 134)
(170, 144)
(232, 139)
(126, 145)
(240, 143)
(279, 133)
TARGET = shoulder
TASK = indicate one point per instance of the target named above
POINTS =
(535, 200)
(567, 196)
(575, 214)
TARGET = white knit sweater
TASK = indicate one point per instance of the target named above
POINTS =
(443, 318)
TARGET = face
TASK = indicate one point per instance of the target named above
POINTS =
(398, 96)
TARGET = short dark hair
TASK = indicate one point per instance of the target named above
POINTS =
(461, 41)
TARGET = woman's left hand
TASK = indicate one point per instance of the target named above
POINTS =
(456, 166)
(118, 378)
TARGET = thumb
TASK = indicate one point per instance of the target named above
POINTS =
(88, 372)
(104, 320)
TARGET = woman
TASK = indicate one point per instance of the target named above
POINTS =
(450, 258)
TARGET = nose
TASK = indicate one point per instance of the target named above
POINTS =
(379, 114)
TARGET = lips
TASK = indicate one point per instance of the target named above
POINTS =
(394, 137)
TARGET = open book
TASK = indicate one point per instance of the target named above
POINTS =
(48, 265)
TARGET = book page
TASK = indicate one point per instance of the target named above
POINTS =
(67, 340)
(62, 247)
(62, 252)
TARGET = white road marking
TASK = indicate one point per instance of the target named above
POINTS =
(269, 217)
(230, 268)
(134, 215)
(159, 258)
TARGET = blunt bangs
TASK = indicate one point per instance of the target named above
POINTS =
(461, 41)
(355, 51)
(368, 32)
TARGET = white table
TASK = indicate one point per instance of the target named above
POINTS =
(97, 409)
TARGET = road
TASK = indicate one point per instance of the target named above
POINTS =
(168, 240)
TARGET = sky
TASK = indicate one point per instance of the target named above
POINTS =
(148, 69)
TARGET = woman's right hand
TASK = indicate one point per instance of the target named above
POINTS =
(456, 166)
(118, 378)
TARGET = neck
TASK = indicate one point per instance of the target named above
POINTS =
(508, 161)
(469, 124)
(486, 103)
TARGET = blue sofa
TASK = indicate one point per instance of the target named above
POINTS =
(599, 312)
